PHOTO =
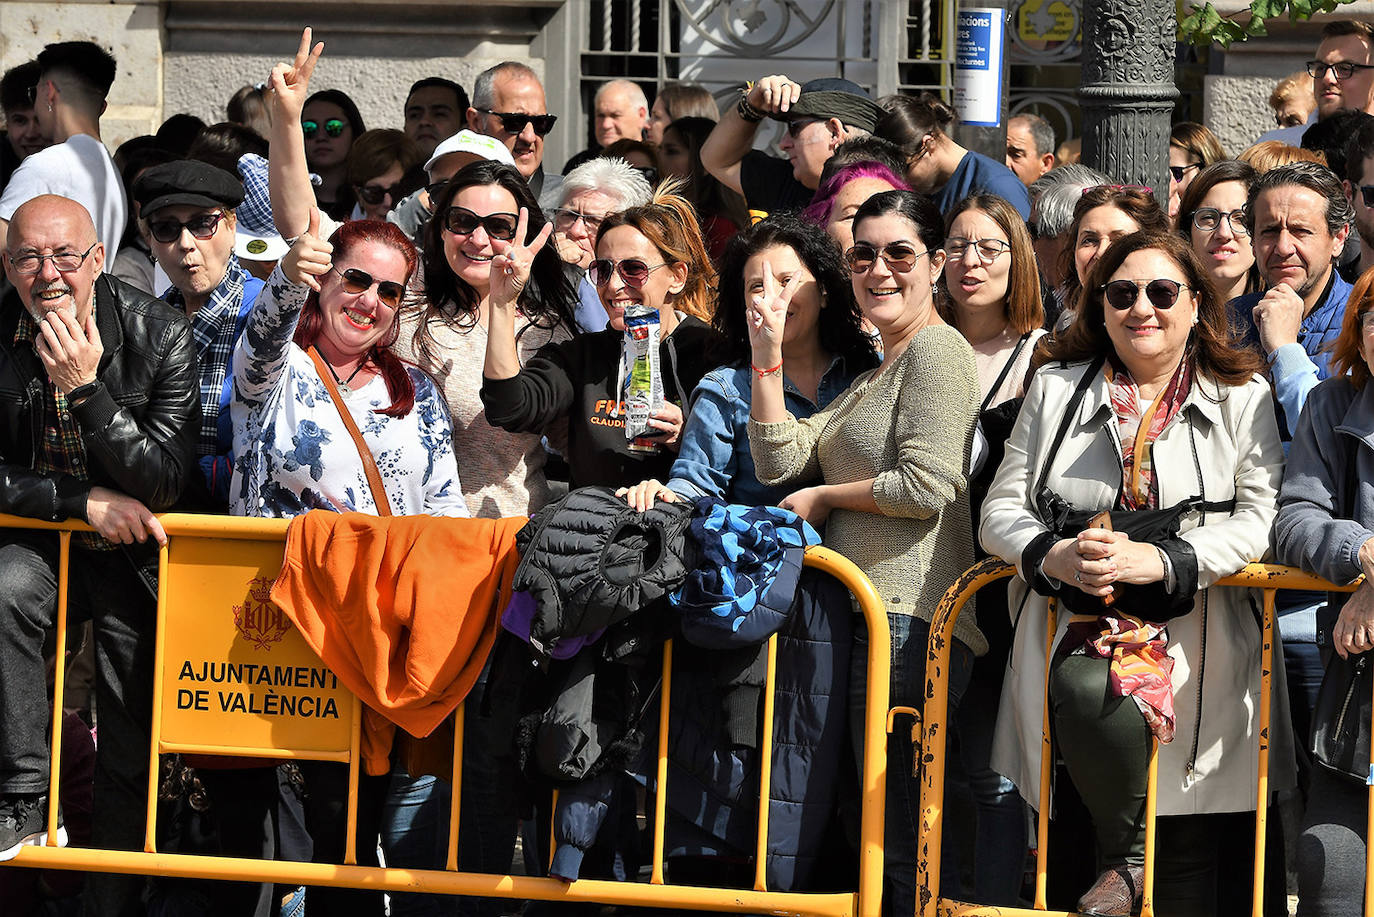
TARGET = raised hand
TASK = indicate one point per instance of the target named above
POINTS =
(510, 268)
(774, 94)
(290, 83)
(310, 257)
(766, 317)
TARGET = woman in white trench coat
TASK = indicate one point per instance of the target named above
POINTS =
(1171, 410)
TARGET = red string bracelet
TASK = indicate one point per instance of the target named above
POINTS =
(766, 372)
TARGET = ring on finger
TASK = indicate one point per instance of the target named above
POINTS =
(1078, 577)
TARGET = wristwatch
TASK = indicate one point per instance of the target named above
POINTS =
(82, 392)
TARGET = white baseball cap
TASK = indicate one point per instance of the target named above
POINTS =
(479, 145)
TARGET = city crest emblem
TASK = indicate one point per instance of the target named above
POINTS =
(258, 619)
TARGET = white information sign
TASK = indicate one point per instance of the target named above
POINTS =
(978, 43)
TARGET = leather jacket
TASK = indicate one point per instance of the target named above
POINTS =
(139, 428)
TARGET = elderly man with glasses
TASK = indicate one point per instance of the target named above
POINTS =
(99, 416)
(508, 103)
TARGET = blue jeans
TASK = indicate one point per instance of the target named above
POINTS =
(415, 835)
(908, 682)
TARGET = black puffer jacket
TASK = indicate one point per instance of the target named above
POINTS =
(139, 429)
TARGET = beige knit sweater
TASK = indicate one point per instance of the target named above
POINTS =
(909, 426)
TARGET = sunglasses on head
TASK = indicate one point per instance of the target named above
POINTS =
(1123, 294)
(372, 195)
(632, 270)
(201, 227)
(513, 122)
(334, 127)
(900, 257)
(463, 222)
(355, 281)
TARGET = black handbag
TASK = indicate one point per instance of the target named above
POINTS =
(1340, 721)
(1157, 527)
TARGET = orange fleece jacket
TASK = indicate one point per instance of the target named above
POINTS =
(403, 609)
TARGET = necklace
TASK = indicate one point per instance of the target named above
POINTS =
(343, 383)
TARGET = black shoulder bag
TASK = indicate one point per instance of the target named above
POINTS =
(1157, 527)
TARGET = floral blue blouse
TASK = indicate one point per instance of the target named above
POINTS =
(292, 450)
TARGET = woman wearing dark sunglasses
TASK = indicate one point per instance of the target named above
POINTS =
(379, 164)
(331, 122)
(649, 256)
(1145, 403)
(893, 452)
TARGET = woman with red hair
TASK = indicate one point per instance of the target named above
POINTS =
(328, 315)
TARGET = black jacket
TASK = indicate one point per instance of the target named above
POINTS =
(139, 429)
(575, 379)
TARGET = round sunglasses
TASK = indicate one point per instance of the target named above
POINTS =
(389, 292)
(463, 222)
(900, 257)
(334, 127)
(1124, 294)
(632, 270)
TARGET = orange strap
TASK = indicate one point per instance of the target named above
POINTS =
(374, 477)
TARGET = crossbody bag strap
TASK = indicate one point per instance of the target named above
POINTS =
(1002, 376)
(374, 477)
(1067, 419)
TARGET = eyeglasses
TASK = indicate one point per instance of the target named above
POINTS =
(632, 270)
(65, 262)
(513, 122)
(201, 227)
(1179, 171)
(1209, 218)
(988, 250)
(1366, 320)
(794, 128)
(1343, 69)
(565, 220)
(463, 222)
(334, 127)
(355, 281)
(372, 195)
(1367, 195)
(1123, 294)
(899, 256)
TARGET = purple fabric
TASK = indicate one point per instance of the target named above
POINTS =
(519, 617)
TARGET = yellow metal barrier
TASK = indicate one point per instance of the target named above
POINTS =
(233, 677)
(1266, 577)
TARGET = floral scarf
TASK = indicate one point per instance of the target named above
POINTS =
(1141, 668)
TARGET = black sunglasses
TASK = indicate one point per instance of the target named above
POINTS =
(463, 222)
(1179, 171)
(355, 281)
(372, 195)
(201, 227)
(1123, 294)
(794, 128)
(633, 271)
(899, 256)
(513, 122)
(334, 127)
(1367, 195)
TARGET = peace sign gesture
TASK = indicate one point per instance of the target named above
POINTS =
(766, 315)
(290, 83)
(510, 269)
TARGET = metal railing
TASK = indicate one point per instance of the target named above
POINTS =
(1266, 577)
(211, 562)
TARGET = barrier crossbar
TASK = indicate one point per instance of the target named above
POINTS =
(220, 567)
(1266, 577)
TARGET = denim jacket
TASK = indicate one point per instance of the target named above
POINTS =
(714, 459)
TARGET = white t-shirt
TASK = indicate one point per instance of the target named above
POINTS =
(79, 169)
